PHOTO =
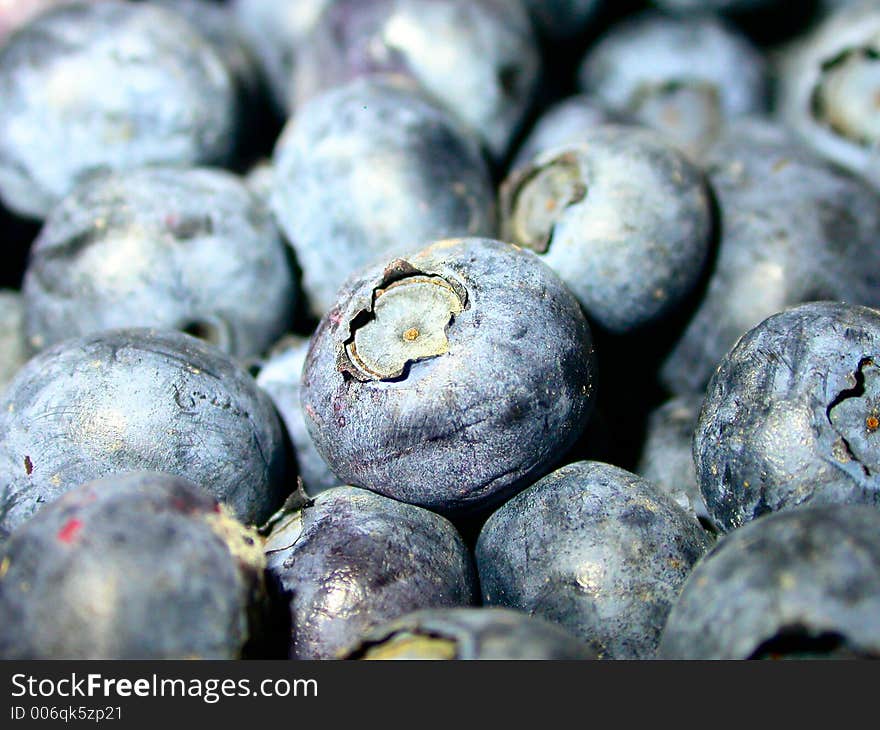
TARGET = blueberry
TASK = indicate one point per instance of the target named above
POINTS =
(280, 376)
(596, 549)
(351, 559)
(13, 347)
(793, 229)
(624, 219)
(790, 415)
(133, 400)
(218, 25)
(138, 566)
(371, 170)
(179, 249)
(567, 122)
(683, 76)
(479, 58)
(667, 458)
(275, 31)
(793, 585)
(829, 88)
(470, 634)
(107, 86)
(452, 377)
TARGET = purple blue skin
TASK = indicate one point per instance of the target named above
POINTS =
(595, 549)
(829, 87)
(791, 415)
(682, 76)
(135, 566)
(134, 400)
(135, 249)
(275, 31)
(13, 345)
(111, 85)
(793, 229)
(561, 19)
(667, 458)
(462, 388)
(351, 559)
(624, 219)
(478, 58)
(794, 585)
(219, 26)
(570, 121)
(470, 634)
(280, 376)
(368, 171)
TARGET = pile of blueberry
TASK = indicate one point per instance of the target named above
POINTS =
(452, 329)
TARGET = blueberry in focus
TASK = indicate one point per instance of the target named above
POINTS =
(368, 171)
(94, 87)
(136, 566)
(135, 400)
(682, 76)
(795, 585)
(351, 559)
(478, 58)
(791, 415)
(792, 229)
(830, 86)
(450, 378)
(187, 249)
(469, 634)
(280, 376)
(624, 219)
(595, 549)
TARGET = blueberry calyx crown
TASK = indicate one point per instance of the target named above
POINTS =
(855, 416)
(407, 320)
(847, 95)
(412, 644)
(686, 107)
(534, 199)
(695, 91)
